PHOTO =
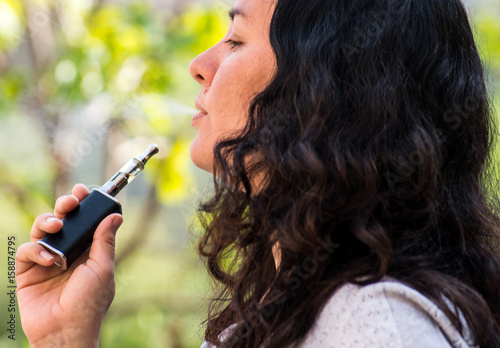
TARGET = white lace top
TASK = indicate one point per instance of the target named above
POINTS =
(385, 314)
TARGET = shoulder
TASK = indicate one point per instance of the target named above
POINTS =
(383, 314)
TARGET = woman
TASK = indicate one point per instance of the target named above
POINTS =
(350, 141)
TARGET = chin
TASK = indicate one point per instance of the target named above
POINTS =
(201, 156)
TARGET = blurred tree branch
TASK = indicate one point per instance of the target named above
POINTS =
(41, 36)
(143, 228)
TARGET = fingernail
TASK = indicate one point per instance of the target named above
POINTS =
(52, 219)
(46, 255)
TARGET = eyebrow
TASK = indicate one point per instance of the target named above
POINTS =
(236, 12)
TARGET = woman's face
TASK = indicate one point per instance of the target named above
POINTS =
(231, 73)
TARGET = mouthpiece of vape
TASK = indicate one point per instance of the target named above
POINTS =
(150, 152)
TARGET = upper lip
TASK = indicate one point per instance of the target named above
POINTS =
(197, 105)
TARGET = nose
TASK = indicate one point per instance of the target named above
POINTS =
(204, 67)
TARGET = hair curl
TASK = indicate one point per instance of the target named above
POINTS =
(373, 142)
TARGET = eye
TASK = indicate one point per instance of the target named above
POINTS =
(233, 44)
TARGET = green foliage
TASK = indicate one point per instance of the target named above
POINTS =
(487, 35)
(124, 68)
(488, 39)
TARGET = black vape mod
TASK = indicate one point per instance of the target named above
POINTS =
(79, 225)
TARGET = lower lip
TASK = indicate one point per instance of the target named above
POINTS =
(197, 117)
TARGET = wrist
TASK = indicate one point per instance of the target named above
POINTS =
(70, 337)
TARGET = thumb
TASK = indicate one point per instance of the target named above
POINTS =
(102, 250)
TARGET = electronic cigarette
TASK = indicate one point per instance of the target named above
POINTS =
(80, 224)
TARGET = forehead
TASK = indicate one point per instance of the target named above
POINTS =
(252, 10)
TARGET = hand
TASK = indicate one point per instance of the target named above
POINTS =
(66, 308)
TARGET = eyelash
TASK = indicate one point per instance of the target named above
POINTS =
(234, 44)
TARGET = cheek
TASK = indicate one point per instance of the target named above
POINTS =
(229, 102)
(236, 83)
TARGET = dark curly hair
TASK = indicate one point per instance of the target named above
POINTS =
(368, 155)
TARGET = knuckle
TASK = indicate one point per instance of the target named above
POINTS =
(64, 202)
(41, 218)
(59, 201)
(22, 250)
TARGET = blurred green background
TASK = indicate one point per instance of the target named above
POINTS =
(84, 86)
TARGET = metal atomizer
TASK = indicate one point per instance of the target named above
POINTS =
(79, 225)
